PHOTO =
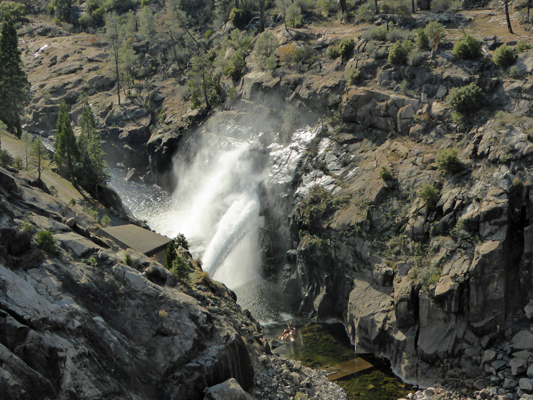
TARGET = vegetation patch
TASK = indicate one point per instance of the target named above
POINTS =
(429, 195)
(467, 48)
(505, 56)
(447, 160)
(46, 241)
(468, 98)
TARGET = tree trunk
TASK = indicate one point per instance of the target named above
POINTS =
(509, 28)
(17, 123)
(344, 9)
(261, 16)
(377, 8)
(118, 78)
(204, 87)
(413, 6)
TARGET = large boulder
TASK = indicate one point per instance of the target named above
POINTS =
(228, 390)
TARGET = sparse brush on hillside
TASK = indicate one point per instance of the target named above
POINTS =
(429, 195)
(447, 160)
(468, 98)
(399, 52)
(505, 56)
(467, 48)
(46, 241)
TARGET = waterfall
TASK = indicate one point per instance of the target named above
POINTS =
(217, 204)
(224, 181)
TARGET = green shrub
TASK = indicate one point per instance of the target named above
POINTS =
(429, 195)
(447, 160)
(523, 46)
(376, 33)
(72, 202)
(265, 47)
(128, 259)
(468, 98)
(457, 117)
(404, 11)
(353, 76)
(333, 52)
(27, 226)
(236, 66)
(515, 72)
(53, 191)
(5, 158)
(414, 58)
(346, 48)
(304, 56)
(180, 268)
(505, 56)
(422, 40)
(240, 17)
(13, 9)
(399, 52)
(385, 174)
(271, 62)
(46, 241)
(432, 28)
(170, 254)
(396, 34)
(468, 48)
(181, 241)
(17, 163)
(105, 221)
(294, 16)
(441, 5)
(93, 262)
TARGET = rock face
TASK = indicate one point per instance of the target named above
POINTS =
(104, 328)
(80, 322)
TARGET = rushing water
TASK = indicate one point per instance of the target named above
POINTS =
(217, 206)
(221, 181)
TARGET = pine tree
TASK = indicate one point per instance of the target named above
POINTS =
(93, 164)
(13, 82)
(67, 150)
(37, 155)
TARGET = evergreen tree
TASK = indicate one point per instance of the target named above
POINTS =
(13, 82)
(37, 155)
(93, 164)
(66, 147)
(170, 255)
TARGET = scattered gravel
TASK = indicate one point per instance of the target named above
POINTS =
(282, 379)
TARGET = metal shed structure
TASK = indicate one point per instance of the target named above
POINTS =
(142, 240)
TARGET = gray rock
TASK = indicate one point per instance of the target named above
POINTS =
(488, 356)
(228, 390)
(518, 366)
(523, 340)
(510, 383)
(78, 245)
(530, 371)
(526, 385)
(480, 384)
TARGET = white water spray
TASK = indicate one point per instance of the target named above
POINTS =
(216, 205)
